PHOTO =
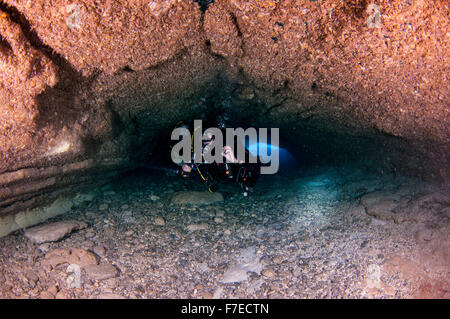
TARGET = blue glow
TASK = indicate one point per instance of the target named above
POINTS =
(286, 158)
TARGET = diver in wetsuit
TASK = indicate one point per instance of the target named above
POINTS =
(245, 174)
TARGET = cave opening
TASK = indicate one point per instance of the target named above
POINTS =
(92, 204)
(324, 225)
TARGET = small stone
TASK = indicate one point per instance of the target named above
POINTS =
(53, 232)
(218, 220)
(159, 221)
(205, 295)
(194, 227)
(46, 295)
(227, 232)
(277, 260)
(32, 278)
(424, 235)
(269, 273)
(89, 233)
(129, 233)
(44, 247)
(103, 207)
(52, 290)
(199, 287)
(196, 198)
(101, 272)
(235, 274)
(99, 251)
(124, 207)
(154, 197)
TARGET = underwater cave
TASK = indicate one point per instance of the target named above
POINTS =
(92, 204)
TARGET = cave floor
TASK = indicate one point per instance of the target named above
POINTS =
(301, 236)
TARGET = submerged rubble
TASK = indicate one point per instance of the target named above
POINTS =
(302, 236)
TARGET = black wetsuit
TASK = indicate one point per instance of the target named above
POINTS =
(245, 174)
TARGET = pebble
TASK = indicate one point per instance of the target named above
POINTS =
(424, 235)
(101, 272)
(227, 232)
(129, 233)
(52, 290)
(154, 197)
(277, 260)
(46, 295)
(205, 295)
(99, 251)
(103, 207)
(218, 220)
(269, 273)
(44, 247)
(89, 233)
(159, 221)
(194, 227)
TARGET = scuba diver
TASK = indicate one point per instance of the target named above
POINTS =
(244, 174)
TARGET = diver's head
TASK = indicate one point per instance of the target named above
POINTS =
(208, 137)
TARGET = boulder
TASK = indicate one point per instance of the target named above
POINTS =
(78, 256)
(101, 272)
(53, 232)
(380, 204)
(196, 198)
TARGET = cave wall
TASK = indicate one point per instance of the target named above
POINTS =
(84, 84)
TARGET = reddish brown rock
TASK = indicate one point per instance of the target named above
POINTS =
(93, 82)
(53, 232)
(78, 256)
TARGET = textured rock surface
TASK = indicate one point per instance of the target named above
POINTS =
(196, 198)
(86, 88)
(30, 217)
(101, 272)
(53, 232)
(78, 256)
(247, 261)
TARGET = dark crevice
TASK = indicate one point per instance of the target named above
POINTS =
(117, 123)
(161, 64)
(204, 4)
(234, 20)
(356, 8)
(5, 47)
(127, 69)
(208, 48)
(281, 103)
